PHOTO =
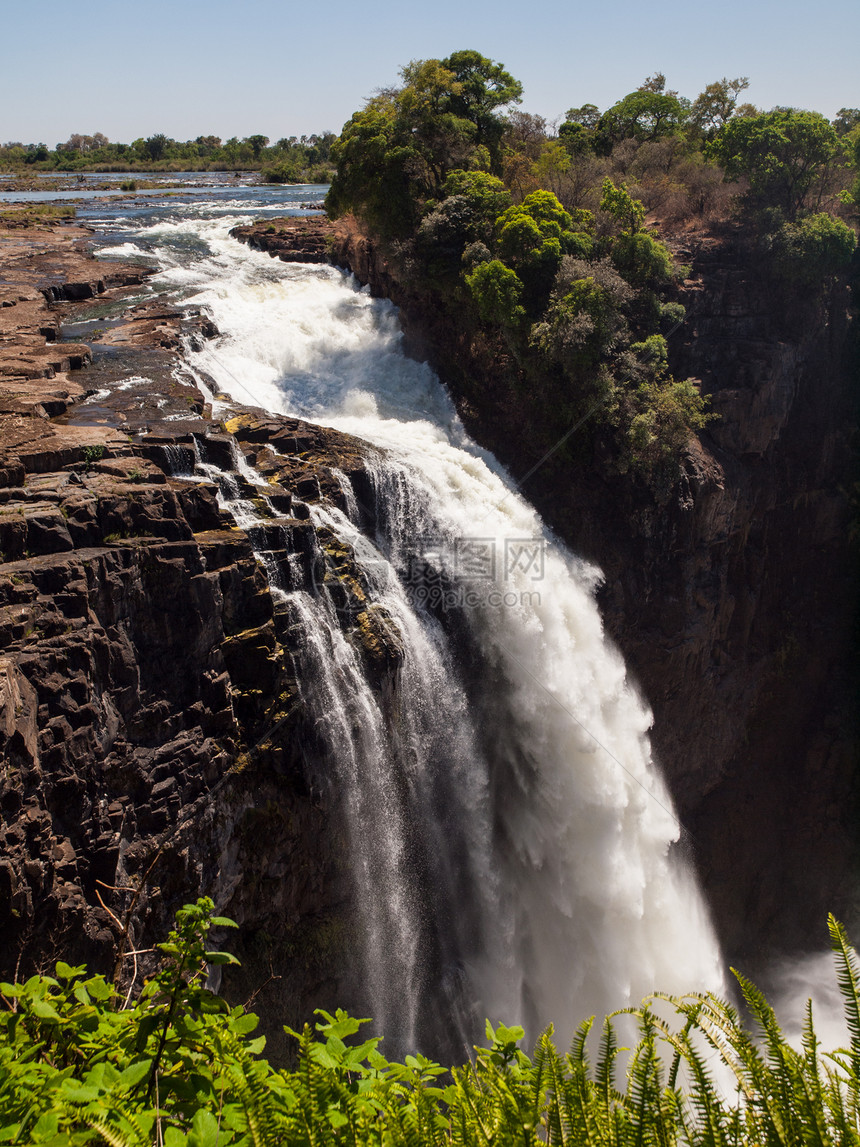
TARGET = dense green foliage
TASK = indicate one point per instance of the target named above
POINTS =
(289, 160)
(786, 155)
(812, 249)
(180, 1068)
(395, 156)
(548, 244)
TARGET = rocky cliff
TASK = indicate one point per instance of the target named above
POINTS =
(730, 590)
(153, 739)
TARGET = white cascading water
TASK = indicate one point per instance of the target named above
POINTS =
(512, 839)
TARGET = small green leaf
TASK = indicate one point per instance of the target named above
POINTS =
(204, 1130)
(135, 1073)
(337, 1119)
(44, 1011)
(98, 988)
(223, 922)
(244, 1024)
(173, 1137)
(46, 1126)
(220, 958)
(66, 972)
(147, 1026)
(78, 1094)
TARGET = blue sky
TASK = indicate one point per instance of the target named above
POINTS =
(195, 67)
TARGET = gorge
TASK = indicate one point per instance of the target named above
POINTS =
(241, 657)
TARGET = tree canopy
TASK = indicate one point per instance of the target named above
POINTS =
(786, 155)
(542, 245)
(398, 152)
(643, 115)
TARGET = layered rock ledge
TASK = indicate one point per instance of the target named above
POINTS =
(152, 727)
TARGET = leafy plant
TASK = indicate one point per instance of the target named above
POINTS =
(812, 249)
(180, 1068)
(787, 155)
(497, 290)
(91, 455)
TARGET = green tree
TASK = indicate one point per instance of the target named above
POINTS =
(257, 143)
(375, 158)
(577, 132)
(535, 230)
(641, 259)
(397, 154)
(588, 116)
(533, 236)
(497, 290)
(156, 146)
(714, 107)
(846, 120)
(666, 413)
(486, 193)
(786, 155)
(812, 249)
(617, 202)
(483, 88)
(643, 115)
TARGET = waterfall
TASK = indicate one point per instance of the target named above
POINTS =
(514, 848)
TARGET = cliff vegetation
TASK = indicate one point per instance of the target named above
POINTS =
(179, 1066)
(547, 249)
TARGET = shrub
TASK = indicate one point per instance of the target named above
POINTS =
(497, 290)
(487, 194)
(181, 1068)
(474, 254)
(284, 173)
(665, 414)
(787, 156)
(672, 315)
(812, 249)
(643, 260)
(585, 319)
(617, 202)
(535, 231)
(91, 455)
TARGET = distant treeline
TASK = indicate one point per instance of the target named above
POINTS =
(303, 159)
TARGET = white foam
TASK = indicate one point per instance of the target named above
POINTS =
(122, 251)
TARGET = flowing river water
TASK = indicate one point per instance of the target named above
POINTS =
(513, 848)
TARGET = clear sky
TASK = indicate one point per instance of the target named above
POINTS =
(281, 67)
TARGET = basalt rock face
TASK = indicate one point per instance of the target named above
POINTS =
(730, 590)
(152, 725)
(154, 743)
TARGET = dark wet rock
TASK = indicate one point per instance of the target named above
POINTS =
(152, 729)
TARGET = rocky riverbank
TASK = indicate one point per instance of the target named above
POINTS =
(151, 726)
(731, 594)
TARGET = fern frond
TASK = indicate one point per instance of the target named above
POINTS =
(848, 978)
